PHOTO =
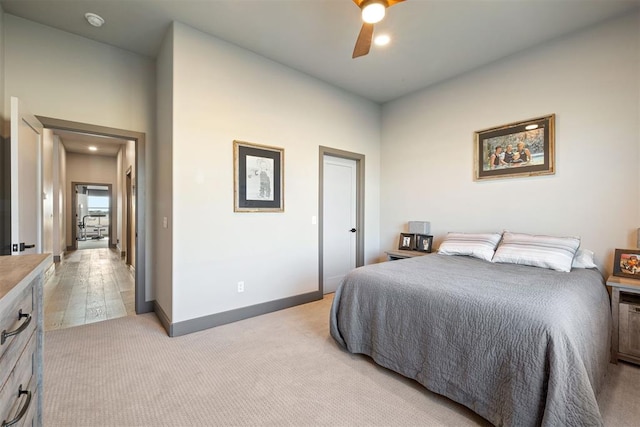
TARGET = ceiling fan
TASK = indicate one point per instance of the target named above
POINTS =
(372, 11)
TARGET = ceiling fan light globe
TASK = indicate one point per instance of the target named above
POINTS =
(373, 12)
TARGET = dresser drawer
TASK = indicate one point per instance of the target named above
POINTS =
(14, 345)
(22, 376)
(9, 320)
(29, 419)
(21, 349)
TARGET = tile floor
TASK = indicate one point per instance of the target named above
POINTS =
(93, 244)
(89, 285)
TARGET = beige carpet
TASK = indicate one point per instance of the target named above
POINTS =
(278, 369)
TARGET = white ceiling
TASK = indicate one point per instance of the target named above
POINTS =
(432, 40)
(75, 142)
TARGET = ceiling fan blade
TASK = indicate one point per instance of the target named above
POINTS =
(389, 2)
(392, 2)
(363, 44)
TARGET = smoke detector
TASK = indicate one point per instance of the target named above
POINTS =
(93, 19)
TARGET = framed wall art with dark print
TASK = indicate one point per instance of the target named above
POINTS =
(258, 184)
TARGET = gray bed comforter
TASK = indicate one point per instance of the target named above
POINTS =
(518, 345)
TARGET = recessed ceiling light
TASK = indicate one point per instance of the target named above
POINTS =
(92, 148)
(382, 40)
(93, 19)
(531, 127)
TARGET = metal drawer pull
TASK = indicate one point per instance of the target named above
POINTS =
(24, 409)
(22, 327)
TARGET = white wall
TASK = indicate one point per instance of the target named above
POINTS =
(82, 203)
(68, 77)
(222, 93)
(163, 189)
(119, 197)
(589, 80)
(3, 117)
(124, 161)
(5, 177)
(59, 198)
(47, 191)
(85, 81)
(129, 162)
(91, 169)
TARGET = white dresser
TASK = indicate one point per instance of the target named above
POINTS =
(21, 339)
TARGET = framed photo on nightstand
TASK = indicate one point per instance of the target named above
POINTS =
(407, 241)
(424, 242)
(626, 263)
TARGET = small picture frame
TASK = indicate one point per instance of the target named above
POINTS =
(626, 263)
(424, 242)
(407, 241)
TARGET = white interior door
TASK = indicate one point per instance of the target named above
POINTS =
(339, 220)
(26, 181)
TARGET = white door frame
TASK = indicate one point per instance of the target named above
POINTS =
(359, 159)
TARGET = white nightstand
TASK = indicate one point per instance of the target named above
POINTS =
(625, 309)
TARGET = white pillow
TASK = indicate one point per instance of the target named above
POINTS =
(478, 245)
(551, 252)
(584, 259)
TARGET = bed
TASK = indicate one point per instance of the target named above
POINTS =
(518, 345)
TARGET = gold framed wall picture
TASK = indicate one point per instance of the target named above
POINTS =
(258, 183)
(519, 149)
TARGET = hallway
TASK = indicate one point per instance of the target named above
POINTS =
(88, 286)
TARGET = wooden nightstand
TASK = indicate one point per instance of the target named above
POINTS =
(625, 309)
(401, 254)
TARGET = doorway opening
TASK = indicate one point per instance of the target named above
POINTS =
(93, 215)
(136, 199)
(341, 216)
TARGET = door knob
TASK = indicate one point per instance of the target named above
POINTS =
(353, 230)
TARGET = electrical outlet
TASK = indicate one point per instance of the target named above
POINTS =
(240, 286)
